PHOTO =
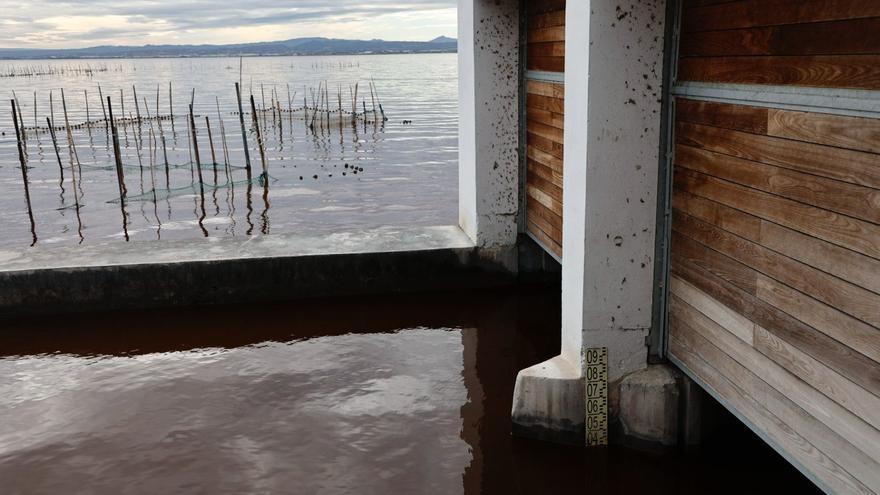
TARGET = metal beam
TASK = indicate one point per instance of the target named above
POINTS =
(847, 102)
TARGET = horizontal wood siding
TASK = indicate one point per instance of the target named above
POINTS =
(819, 43)
(544, 118)
(544, 155)
(775, 289)
(546, 35)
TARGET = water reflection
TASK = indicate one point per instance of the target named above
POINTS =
(294, 142)
(263, 417)
(409, 394)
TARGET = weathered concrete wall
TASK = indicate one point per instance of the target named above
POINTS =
(221, 271)
(488, 59)
(613, 93)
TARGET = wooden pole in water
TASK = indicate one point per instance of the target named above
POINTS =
(162, 137)
(24, 176)
(153, 145)
(263, 106)
(381, 110)
(18, 141)
(103, 108)
(165, 157)
(122, 107)
(60, 166)
(354, 103)
(35, 116)
(55, 147)
(223, 139)
(15, 121)
(260, 142)
(314, 109)
(52, 108)
(278, 109)
(189, 151)
(289, 107)
(195, 141)
(272, 103)
(88, 116)
(137, 112)
(247, 155)
(120, 175)
(138, 144)
(70, 142)
(170, 106)
(149, 114)
(222, 132)
(306, 106)
(159, 111)
(192, 123)
(323, 99)
(137, 107)
(211, 143)
(320, 106)
(21, 123)
(152, 152)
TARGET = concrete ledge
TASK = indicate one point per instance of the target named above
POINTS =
(216, 271)
(548, 402)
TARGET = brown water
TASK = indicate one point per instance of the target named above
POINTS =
(378, 395)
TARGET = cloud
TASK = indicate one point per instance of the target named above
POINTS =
(81, 23)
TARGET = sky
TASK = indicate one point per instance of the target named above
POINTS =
(83, 23)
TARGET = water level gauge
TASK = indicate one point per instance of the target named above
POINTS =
(596, 360)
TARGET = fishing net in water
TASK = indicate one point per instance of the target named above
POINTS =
(171, 166)
(193, 189)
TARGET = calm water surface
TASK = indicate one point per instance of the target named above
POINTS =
(340, 177)
(408, 394)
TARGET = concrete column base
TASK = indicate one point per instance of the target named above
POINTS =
(649, 406)
(653, 408)
(548, 402)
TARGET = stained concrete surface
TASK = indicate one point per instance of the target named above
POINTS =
(217, 271)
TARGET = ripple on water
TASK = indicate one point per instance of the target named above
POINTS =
(330, 413)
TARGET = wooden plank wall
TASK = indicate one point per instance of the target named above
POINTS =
(807, 43)
(544, 155)
(775, 288)
(546, 35)
(545, 104)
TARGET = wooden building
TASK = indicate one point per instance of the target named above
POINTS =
(764, 118)
(775, 259)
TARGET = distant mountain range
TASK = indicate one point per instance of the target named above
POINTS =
(298, 46)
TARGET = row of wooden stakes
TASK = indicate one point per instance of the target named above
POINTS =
(320, 112)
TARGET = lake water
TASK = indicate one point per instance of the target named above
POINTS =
(337, 175)
(371, 395)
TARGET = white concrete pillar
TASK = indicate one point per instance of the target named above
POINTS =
(612, 136)
(613, 93)
(488, 60)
